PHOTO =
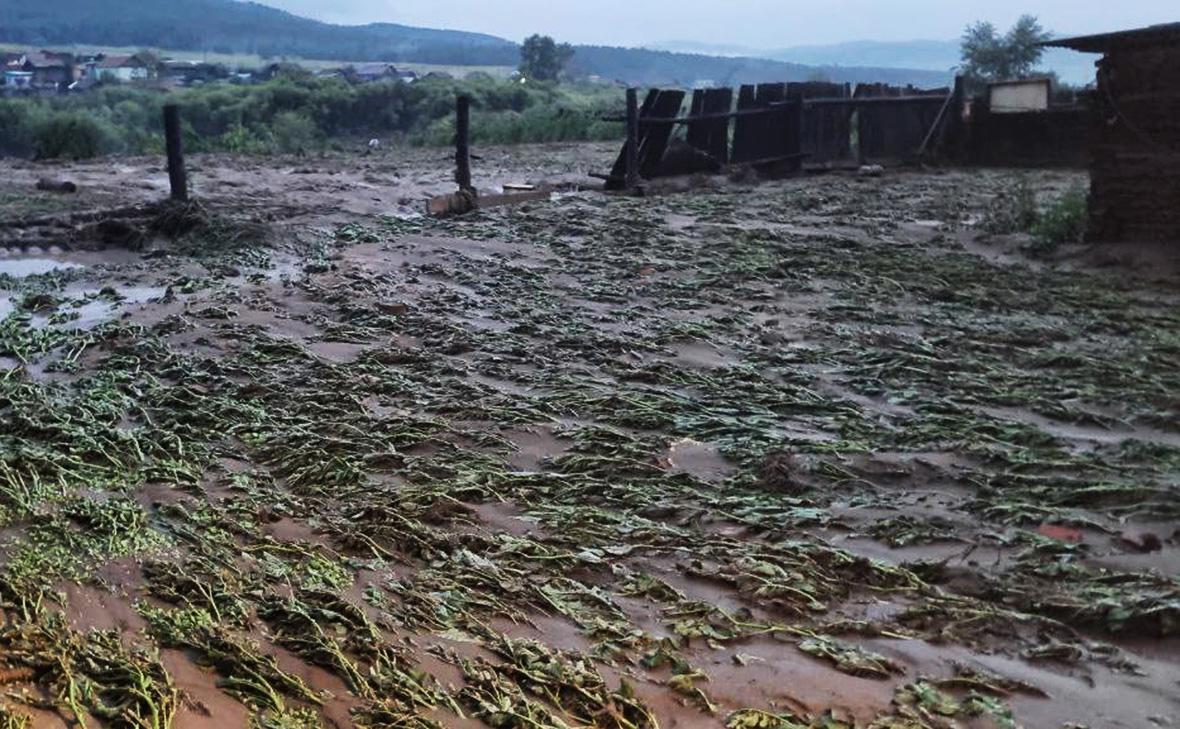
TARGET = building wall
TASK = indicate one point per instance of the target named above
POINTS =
(124, 73)
(1135, 172)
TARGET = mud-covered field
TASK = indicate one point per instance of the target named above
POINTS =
(808, 453)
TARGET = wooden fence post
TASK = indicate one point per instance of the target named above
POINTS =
(632, 180)
(177, 177)
(956, 131)
(463, 143)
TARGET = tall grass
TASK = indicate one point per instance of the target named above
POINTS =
(301, 114)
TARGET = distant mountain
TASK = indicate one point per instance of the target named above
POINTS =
(1071, 67)
(927, 54)
(230, 26)
(644, 66)
(233, 26)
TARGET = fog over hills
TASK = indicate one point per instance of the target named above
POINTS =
(929, 55)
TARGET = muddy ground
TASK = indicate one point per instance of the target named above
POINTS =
(815, 452)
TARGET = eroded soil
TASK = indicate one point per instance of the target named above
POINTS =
(805, 453)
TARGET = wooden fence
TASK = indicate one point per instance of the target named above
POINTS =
(780, 127)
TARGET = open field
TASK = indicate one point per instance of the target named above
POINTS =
(807, 453)
(248, 61)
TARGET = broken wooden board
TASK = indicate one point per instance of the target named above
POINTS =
(461, 202)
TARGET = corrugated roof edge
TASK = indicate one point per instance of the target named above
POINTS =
(1103, 42)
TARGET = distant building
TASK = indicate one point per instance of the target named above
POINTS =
(50, 69)
(11, 61)
(1135, 165)
(17, 80)
(1017, 97)
(122, 68)
(369, 72)
(192, 73)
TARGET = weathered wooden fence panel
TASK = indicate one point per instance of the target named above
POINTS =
(711, 135)
(894, 131)
(777, 126)
(745, 128)
(654, 133)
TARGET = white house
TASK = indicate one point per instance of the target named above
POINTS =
(122, 68)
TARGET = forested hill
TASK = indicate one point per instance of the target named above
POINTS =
(230, 26)
(642, 66)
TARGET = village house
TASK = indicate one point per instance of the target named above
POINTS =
(50, 69)
(370, 72)
(192, 73)
(13, 76)
(122, 68)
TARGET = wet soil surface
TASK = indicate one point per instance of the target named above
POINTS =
(815, 452)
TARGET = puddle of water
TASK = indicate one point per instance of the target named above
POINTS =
(95, 311)
(22, 267)
(91, 310)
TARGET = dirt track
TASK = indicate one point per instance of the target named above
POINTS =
(767, 456)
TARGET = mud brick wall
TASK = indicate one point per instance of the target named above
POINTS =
(1054, 138)
(1135, 172)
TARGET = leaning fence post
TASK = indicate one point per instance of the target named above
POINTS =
(463, 142)
(956, 138)
(177, 178)
(632, 139)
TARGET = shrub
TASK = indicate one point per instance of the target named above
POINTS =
(294, 133)
(1012, 211)
(72, 135)
(299, 113)
(1064, 221)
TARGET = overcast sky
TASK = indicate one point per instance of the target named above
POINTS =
(765, 24)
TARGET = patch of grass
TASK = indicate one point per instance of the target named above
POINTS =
(1064, 221)
(1013, 210)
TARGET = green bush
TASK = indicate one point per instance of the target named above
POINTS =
(1013, 210)
(1064, 221)
(72, 135)
(19, 120)
(294, 133)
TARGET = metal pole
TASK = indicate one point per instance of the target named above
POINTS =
(632, 139)
(463, 143)
(177, 178)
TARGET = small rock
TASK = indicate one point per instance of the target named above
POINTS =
(1144, 542)
(394, 308)
(50, 184)
(777, 473)
(871, 171)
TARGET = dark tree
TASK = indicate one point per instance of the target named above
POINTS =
(989, 56)
(543, 59)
